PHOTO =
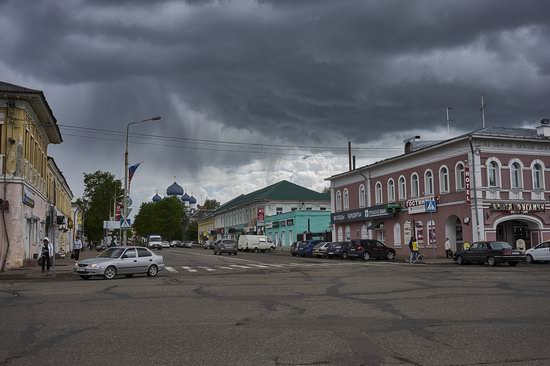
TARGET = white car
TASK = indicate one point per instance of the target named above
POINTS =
(166, 244)
(539, 253)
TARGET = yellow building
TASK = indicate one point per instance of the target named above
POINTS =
(60, 197)
(27, 127)
(205, 225)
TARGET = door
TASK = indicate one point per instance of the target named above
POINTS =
(144, 260)
(379, 250)
(542, 252)
(473, 254)
(128, 262)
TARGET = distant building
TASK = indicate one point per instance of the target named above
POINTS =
(247, 213)
(298, 225)
(59, 197)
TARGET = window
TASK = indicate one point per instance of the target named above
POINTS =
(396, 235)
(278, 210)
(443, 180)
(340, 234)
(338, 201)
(130, 253)
(538, 177)
(378, 192)
(391, 191)
(428, 182)
(459, 175)
(364, 232)
(346, 199)
(516, 175)
(323, 208)
(414, 185)
(493, 173)
(348, 233)
(362, 196)
(142, 252)
(402, 188)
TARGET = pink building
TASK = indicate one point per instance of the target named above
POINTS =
(486, 185)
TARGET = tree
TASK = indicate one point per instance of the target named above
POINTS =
(192, 231)
(210, 204)
(326, 190)
(101, 192)
(164, 218)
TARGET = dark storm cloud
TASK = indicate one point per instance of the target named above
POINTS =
(292, 69)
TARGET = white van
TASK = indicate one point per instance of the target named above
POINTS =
(255, 243)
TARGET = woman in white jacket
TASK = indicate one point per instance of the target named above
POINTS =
(46, 252)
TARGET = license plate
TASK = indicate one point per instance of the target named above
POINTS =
(516, 253)
(352, 250)
(330, 252)
(81, 271)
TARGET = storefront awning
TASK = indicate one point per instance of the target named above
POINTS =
(375, 225)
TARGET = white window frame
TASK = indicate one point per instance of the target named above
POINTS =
(498, 176)
(444, 178)
(378, 193)
(415, 188)
(391, 190)
(362, 196)
(460, 179)
(519, 164)
(340, 233)
(346, 199)
(402, 187)
(542, 182)
(338, 200)
(428, 184)
(348, 233)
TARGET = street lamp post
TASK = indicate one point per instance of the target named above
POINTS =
(125, 211)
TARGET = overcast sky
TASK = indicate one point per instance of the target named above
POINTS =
(303, 76)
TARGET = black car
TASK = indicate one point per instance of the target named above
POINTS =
(338, 249)
(490, 252)
(369, 248)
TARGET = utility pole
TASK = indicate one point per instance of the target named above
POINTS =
(483, 104)
(448, 121)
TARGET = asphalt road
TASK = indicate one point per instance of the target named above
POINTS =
(266, 309)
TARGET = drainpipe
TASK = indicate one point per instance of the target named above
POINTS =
(475, 187)
(367, 189)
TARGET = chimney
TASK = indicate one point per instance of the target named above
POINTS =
(544, 128)
(409, 147)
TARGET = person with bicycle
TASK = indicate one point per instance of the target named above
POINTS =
(414, 250)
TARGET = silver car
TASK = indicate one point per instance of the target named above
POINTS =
(120, 260)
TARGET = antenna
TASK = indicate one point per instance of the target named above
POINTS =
(448, 121)
(483, 104)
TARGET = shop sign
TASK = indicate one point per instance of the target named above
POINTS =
(290, 222)
(467, 182)
(377, 211)
(261, 214)
(363, 214)
(518, 207)
(275, 224)
(269, 225)
(28, 197)
(417, 205)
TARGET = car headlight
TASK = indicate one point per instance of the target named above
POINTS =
(94, 265)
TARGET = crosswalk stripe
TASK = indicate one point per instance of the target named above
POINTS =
(170, 269)
(239, 266)
(189, 269)
(207, 268)
(273, 265)
(258, 265)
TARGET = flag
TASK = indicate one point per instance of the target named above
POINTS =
(131, 171)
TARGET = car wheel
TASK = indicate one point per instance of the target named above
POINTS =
(330, 256)
(460, 260)
(255, 250)
(110, 273)
(529, 259)
(152, 271)
(366, 256)
(345, 255)
(491, 261)
(129, 275)
(293, 254)
(235, 253)
(513, 264)
(85, 277)
(390, 256)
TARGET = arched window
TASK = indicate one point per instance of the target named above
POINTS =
(340, 234)
(538, 177)
(338, 201)
(396, 235)
(443, 180)
(414, 186)
(346, 199)
(362, 196)
(364, 232)
(459, 175)
(493, 173)
(516, 175)
(348, 233)
(391, 190)
(402, 188)
(428, 182)
(378, 193)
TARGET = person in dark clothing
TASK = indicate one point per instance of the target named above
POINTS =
(46, 252)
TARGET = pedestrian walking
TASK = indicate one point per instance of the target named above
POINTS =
(414, 248)
(448, 251)
(77, 246)
(46, 254)
(411, 249)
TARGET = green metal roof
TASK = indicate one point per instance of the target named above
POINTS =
(281, 191)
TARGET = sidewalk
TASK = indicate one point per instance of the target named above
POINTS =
(63, 268)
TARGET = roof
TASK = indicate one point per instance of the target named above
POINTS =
(281, 191)
(174, 190)
(157, 198)
(498, 132)
(201, 214)
(58, 171)
(39, 104)
(186, 198)
(192, 200)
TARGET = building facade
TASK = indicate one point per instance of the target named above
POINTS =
(298, 225)
(490, 184)
(27, 127)
(61, 219)
(246, 214)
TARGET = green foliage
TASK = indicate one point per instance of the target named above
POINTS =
(192, 231)
(101, 190)
(164, 218)
(210, 204)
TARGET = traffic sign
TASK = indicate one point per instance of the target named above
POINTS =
(125, 224)
(431, 206)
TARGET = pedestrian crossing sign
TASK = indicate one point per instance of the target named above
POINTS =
(125, 224)
(430, 205)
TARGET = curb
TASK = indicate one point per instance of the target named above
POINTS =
(31, 275)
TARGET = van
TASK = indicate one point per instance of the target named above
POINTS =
(255, 243)
(154, 242)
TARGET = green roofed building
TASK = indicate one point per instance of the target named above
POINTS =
(248, 213)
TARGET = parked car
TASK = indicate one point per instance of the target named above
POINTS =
(174, 243)
(305, 248)
(540, 253)
(294, 248)
(120, 260)
(206, 245)
(320, 250)
(225, 246)
(190, 244)
(101, 247)
(255, 243)
(154, 242)
(338, 249)
(165, 244)
(490, 252)
(369, 248)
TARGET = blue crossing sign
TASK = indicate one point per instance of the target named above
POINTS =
(430, 205)
(125, 224)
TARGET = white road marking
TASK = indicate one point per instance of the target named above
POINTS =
(257, 265)
(207, 268)
(189, 269)
(273, 265)
(239, 266)
(170, 269)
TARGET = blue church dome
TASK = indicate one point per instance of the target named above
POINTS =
(186, 198)
(192, 200)
(156, 198)
(174, 190)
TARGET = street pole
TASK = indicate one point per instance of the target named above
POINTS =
(125, 210)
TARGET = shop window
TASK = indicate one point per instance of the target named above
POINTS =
(340, 234)
(419, 232)
(364, 232)
(396, 235)
(348, 232)
(402, 188)
(431, 232)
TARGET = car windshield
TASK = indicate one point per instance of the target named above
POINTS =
(500, 245)
(112, 253)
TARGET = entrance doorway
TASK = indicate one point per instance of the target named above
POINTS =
(516, 233)
(453, 231)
